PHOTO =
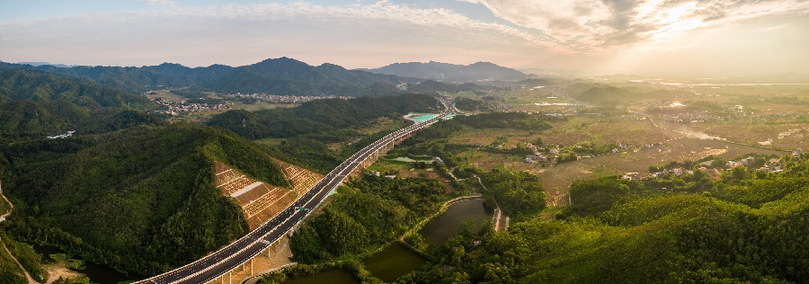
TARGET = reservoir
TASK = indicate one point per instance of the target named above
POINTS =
(440, 229)
(421, 117)
(397, 260)
(393, 262)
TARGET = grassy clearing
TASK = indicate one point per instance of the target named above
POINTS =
(780, 135)
(486, 137)
(383, 124)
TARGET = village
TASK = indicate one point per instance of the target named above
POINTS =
(282, 99)
(174, 108)
(712, 166)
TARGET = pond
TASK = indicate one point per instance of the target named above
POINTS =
(337, 276)
(97, 273)
(409, 160)
(393, 262)
(448, 225)
(421, 117)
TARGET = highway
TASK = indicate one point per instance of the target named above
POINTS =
(240, 251)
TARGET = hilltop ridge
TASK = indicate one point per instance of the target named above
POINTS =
(445, 72)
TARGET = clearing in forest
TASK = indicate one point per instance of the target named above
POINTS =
(261, 201)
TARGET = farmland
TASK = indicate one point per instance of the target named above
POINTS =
(641, 124)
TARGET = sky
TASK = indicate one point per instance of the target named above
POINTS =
(669, 37)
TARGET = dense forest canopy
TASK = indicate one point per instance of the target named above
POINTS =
(141, 199)
(745, 226)
(37, 104)
(321, 116)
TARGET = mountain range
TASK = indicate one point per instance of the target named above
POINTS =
(285, 76)
(445, 72)
(38, 104)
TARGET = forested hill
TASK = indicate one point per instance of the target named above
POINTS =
(446, 72)
(321, 116)
(746, 226)
(141, 199)
(285, 76)
(135, 79)
(280, 76)
(37, 104)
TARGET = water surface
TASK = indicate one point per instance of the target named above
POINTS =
(448, 225)
(393, 262)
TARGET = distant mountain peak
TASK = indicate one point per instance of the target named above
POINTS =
(169, 64)
(446, 72)
(41, 63)
(331, 66)
(484, 63)
(281, 61)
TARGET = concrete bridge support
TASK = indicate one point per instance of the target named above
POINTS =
(230, 278)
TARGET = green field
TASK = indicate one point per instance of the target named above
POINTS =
(763, 119)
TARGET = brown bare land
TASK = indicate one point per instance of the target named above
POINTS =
(485, 137)
(260, 201)
(403, 170)
(59, 271)
(279, 255)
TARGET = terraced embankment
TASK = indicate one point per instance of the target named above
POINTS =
(261, 201)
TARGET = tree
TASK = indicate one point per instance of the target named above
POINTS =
(590, 197)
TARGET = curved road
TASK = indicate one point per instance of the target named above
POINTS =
(235, 254)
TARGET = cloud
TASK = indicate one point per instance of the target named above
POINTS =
(358, 33)
(772, 28)
(598, 25)
(158, 2)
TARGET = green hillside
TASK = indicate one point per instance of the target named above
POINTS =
(286, 76)
(746, 227)
(142, 199)
(35, 104)
(10, 272)
(321, 116)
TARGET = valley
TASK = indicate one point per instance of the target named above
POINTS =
(214, 175)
